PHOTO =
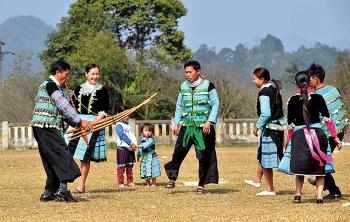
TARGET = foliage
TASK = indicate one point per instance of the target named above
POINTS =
(130, 40)
(270, 54)
(19, 90)
(102, 49)
(340, 77)
(290, 70)
(136, 25)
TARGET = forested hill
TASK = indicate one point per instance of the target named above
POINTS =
(24, 33)
(27, 33)
(270, 54)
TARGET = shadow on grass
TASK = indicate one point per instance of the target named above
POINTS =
(208, 191)
(115, 190)
(286, 192)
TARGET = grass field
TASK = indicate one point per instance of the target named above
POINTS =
(22, 179)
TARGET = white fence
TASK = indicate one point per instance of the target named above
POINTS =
(228, 132)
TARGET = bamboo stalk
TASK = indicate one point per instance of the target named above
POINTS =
(103, 123)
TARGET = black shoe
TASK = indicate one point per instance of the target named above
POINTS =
(332, 196)
(319, 201)
(48, 196)
(297, 199)
(65, 194)
(311, 181)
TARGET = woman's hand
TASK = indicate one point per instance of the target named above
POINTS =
(255, 131)
(338, 142)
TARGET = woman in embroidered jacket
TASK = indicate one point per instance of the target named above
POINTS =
(92, 103)
(308, 151)
(270, 111)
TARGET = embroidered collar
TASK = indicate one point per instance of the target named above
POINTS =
(88, 88)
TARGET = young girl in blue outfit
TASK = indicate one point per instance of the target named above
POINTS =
(149, 167)
(126, 146)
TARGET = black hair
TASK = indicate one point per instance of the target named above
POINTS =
(196, 66)
(261, 72)
(91, 66)
(122, 108)
(302, 79)
(150, 127)
(60, 66)
(315, 70)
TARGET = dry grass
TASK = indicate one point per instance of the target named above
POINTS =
(22, 179)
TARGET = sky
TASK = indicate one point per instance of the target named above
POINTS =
(227, 23)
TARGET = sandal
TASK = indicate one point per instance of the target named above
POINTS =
(200, 191)
(77, 191)
(170, 184)
(132, 185)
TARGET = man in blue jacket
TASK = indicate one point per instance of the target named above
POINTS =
(197, 109)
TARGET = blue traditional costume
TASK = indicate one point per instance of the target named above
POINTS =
(149, 166)
(197, 103)
(91, 101)
(308, 151)
(335, 107)
(271, 123)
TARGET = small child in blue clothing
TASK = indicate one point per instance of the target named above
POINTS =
(126, 146)
(149, 167)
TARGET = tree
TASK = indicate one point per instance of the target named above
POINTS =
(341, 75)
(136, 25)
(291, 70)
(17, 97)
(102, 49)
(205, 54)
(139, 28)
(271, 44)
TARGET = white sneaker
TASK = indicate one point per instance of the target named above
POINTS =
(250, 182)
(266, 193)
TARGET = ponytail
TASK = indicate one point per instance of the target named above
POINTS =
(302, 80)
(278, 85)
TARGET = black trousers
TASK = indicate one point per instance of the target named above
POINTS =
(207, 160)
(57, 160)
(329, 182)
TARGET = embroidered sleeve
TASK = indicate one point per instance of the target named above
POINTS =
(71, 116)
(147, 144)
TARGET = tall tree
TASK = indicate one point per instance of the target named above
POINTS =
(137, 27)
(102, 49)
(135, 24)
